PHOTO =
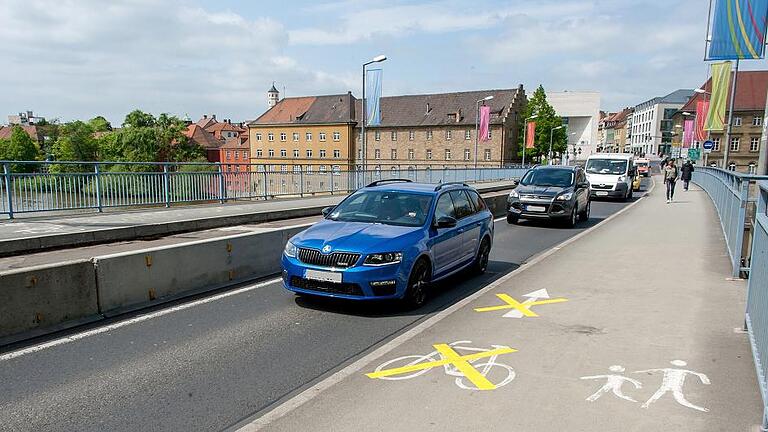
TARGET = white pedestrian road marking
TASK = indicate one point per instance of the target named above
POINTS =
(673, 382)
(613, 384)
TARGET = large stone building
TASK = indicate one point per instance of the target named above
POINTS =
(580, 110)
(748, 112)
(652, 125)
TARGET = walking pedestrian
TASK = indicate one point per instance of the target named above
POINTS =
(670, 173)
(686, 173)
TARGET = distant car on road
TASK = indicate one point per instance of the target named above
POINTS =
(610, 175)
(551, 192)
(643, 167)
(391, 240)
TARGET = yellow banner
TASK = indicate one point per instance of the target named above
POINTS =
(721, 78)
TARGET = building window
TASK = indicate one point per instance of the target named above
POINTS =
(467, 134)
(490, 133)
(336, 136)
(448, 135)
(271, 152)
(393, 154)
(716, 147)
(237, 154)
(429, 154)
(757, 121)
(321, 136)
(393, 169)
(270, 136)
(754, 144)
(377, 154)
(309, 153)
(735, 144)
(377, 135)
(295, 136)
(258, 137)
(411, 135)
(411, 154)
(322, 154)
(229, 154)
(283, 136)
(308, 169)
(245, 154)
(283, 153)
(283, 168)
(752, 168)
(295, 153)
(487, 154)
(321, 168)
(360, 154)
(309, 136)
(737, 121)
(337, 154)
(466, 154)
(732, 166)
(296, 169)
(429, 134)
(259, 153)
(447, 154)
(393, 135)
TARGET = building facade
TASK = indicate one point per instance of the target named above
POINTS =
(580, 110)
(613, 136)
(652, 125)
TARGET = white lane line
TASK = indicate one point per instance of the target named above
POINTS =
(138, 319)
(305, 396)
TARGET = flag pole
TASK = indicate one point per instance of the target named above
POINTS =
(525, 128)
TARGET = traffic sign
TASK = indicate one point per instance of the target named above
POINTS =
(708, 146)
(694, 154)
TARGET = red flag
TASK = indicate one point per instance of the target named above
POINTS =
(702, 107)
(530, 135)
(485, 121)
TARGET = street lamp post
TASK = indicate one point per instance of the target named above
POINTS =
(551, 134)
(363, 145)
(477, 125)
(525, 129)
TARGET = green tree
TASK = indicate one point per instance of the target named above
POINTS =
(20, 147)
(76, 143)
(546, 119)
(139, 119)
(100, 124)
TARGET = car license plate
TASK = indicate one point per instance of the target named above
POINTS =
(534, 208)
(323, 276)
(601, 193)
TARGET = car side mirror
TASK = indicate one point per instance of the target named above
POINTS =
(326, 211)
(445, 222)
(583, 185)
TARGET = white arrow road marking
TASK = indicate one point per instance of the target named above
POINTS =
(532, 297)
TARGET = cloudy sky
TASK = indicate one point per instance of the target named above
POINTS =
(80, 58)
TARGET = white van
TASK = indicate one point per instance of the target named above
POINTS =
(610, 175)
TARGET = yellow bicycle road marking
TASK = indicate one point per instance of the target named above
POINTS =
(524, 307)
(462, 363)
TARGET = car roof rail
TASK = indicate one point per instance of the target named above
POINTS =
(381, 182)
(441, 185)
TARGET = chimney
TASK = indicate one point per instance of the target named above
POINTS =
(213, 116)
(205, 116)
(351, 105)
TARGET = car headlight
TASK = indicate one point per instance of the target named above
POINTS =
(565, 197)
(290, 250)
(386, 258)
(514, 194)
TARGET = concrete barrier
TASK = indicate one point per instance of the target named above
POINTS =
(37, 300)
(497, 203)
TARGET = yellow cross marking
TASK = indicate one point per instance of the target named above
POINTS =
(524, 307)
(462, 363)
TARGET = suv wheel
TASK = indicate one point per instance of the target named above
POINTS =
(572, 219)
(481, 260)
(512, 219)
(418, 285)
(584, 216)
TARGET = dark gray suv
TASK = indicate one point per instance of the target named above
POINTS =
(551, 192)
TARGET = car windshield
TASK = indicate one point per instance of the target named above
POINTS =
(387, 207)
(548, 177)
(607, 166)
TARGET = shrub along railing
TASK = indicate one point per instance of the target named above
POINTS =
(27, 187)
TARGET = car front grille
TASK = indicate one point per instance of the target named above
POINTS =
(329, 287)
(536, 197)
(601, 186)
(336, 259)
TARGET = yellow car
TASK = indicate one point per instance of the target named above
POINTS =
(636, 183)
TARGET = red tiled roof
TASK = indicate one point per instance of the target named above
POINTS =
(751, 87)
(217, 128)
(5, 132)
(202, 138)
(287, 110)
(236, 143)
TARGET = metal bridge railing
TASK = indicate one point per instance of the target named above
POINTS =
(757, 295)
(27, 187)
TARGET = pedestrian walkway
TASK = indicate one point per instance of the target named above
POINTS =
(632, 326)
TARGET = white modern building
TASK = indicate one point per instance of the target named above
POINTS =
(580, 110)
(652, 122)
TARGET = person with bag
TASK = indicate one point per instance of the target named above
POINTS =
(686, 173)
(670, 173)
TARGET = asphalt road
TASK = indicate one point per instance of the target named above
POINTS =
(210, 366)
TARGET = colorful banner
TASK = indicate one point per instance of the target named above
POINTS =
(373, 96)
(530, 135)
(721, 78)
(485, 122)
(687, 133)
(702, 108)
(738, 30)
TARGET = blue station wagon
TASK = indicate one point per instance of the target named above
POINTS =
(392, 239)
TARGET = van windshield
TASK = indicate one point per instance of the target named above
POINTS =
(607, 166)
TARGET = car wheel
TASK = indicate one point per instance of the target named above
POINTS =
(584, 216)
(571, 222)
(512, 219)
(481, 260)
(418, 285)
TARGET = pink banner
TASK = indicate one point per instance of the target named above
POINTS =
(688, 133)
(485, 120)
(530, 136)
(702, 107)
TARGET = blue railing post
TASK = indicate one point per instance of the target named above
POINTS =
(97, 172)
(222, 189)
(166, 186)
(8, 187)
